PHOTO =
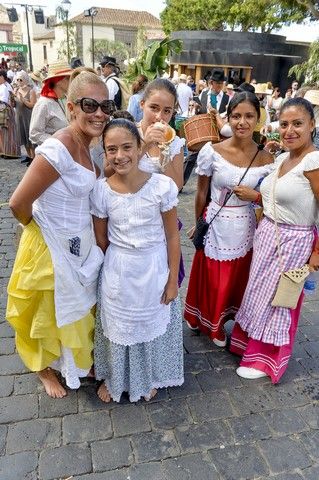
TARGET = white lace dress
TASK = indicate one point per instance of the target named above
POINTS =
(138, 341)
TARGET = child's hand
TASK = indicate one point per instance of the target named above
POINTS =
(170, 292)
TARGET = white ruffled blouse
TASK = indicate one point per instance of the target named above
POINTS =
(295, 200)
(230, 235)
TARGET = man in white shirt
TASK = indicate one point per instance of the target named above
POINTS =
(214, 97)
(294, 88)
(109, 69)
(184, 94)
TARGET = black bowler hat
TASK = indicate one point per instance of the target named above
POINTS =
(245, 87)
(106, 60)
(218, 76)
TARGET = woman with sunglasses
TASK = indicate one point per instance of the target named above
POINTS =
(26, 98)
(50, 310)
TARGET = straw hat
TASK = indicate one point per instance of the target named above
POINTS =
(230, 86)
(58, 69)
(36, 76)
(261, 89)
(183, 77)
(312, 96)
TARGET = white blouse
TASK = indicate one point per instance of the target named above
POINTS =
(135, 220)
(231, 233)
(66, 202)
(153, 164)
(295, 200)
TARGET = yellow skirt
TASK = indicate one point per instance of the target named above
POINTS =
(31, 310)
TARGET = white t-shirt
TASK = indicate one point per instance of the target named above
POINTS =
(184, 95)
(5, 89)
(295, 200)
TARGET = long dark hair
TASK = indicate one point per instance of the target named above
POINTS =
(160, 84)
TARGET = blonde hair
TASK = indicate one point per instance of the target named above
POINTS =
(81, 78)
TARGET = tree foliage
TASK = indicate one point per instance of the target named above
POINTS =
(309, 69)
(69, 27)
(109, 47)
(242, 15)
(308, 8)
(152, 61)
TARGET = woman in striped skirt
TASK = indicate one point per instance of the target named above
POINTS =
(264, 334)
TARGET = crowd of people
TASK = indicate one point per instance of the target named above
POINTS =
(102, 238)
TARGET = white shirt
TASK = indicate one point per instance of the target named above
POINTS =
(295, 200)
(231, 233)
(63, 214)
(5, 89)
(184, 95)
(112, 86)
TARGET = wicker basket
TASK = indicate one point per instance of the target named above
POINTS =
(201, 129)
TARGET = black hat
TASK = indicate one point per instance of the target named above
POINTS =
(218, 76)
(76, 62)
(106, 60)
(245, 87)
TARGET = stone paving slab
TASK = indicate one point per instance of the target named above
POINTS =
(215, 427)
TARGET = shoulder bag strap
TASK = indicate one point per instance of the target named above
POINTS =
(259, 148)
(276, 219)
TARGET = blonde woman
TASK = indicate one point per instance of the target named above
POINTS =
(50, 310)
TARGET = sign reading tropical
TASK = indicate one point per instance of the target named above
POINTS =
(13, 48)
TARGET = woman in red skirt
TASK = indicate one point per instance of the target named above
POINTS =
(220, 272)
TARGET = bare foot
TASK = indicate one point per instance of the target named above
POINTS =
(91, 373)
(151, 395)
(51, 383)
(103, 393)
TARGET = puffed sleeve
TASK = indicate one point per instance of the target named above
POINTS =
(311, 161)
(56, 154)
(205, 160)
(176, 146)
(98, 199)
(168, 192)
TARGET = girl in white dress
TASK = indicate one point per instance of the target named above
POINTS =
(138, 344)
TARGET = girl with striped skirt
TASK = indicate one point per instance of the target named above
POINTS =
(264, 334)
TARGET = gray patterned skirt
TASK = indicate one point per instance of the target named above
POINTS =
(139, 368)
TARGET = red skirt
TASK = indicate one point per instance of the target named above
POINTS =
(266, 357)
(215, 291)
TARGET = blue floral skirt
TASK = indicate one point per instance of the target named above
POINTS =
(139, 368)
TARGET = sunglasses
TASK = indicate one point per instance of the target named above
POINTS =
(19, 80)
(89, 105)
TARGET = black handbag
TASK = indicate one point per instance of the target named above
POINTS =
(202, 226)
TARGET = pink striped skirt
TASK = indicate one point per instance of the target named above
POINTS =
(264, 335)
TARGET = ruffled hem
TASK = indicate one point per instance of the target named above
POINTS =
(136, 398)
(268, 336)
(31, 309)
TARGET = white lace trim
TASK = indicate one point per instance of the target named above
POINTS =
(66, 365)
(168, 206)
(169, 383)
(231, 234)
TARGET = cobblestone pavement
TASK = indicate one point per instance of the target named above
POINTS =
(215, 427)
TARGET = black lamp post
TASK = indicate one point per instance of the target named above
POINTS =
(66, 6)
(91, 12)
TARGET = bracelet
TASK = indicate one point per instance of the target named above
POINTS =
(258, 198)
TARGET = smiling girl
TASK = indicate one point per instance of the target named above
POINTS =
(138, 342)
(220, 272)
(263, 334)
(48, 307)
